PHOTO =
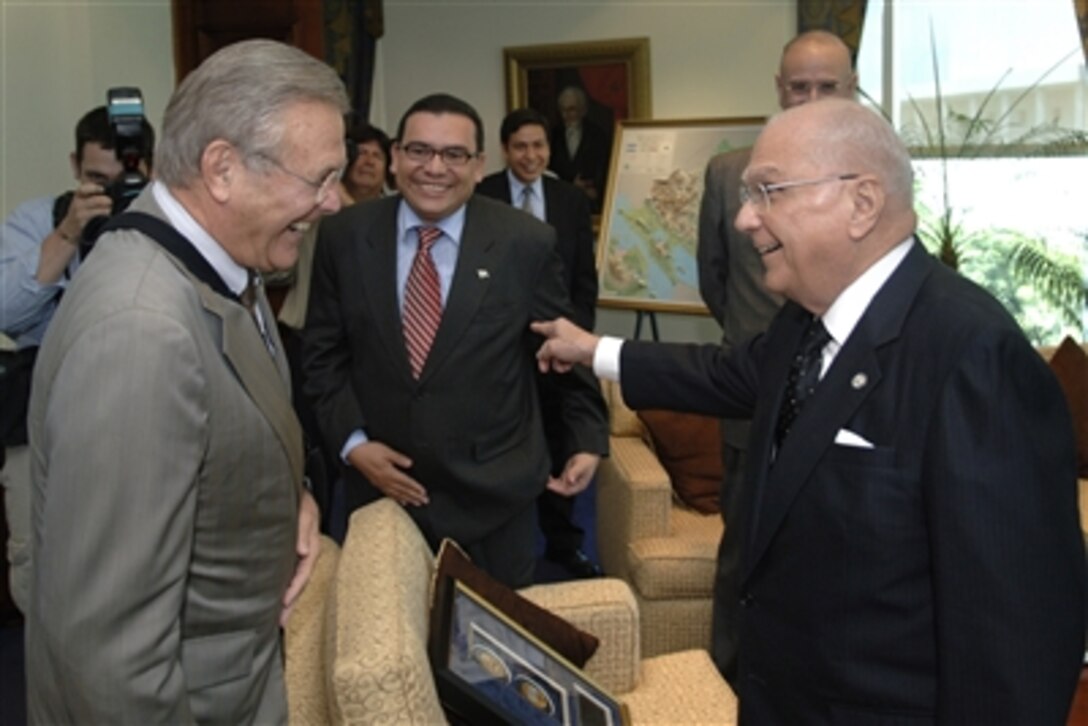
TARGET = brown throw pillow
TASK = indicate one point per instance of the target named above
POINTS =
(577, 646)
(689, 447)
(1070, 365)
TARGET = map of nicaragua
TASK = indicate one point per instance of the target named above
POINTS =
(653, 221)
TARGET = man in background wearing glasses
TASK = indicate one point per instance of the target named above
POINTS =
(913, 549)
(171, 532)
(418, 353)
(814, 65)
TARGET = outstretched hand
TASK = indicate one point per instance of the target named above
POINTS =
(565, 344)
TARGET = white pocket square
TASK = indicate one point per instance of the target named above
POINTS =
(846, 437)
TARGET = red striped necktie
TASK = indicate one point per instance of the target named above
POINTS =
(422, 301)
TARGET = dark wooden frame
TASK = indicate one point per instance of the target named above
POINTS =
(505, 639)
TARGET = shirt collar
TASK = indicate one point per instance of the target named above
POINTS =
(516, 185)
(451, 226)
(234, 276)
(843, 315)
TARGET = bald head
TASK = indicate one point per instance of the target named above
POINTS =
(829, 193)
(839, 134)
(816, 64)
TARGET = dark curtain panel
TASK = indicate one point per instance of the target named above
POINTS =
(844, 18)
(352, 29)
(1081, 7)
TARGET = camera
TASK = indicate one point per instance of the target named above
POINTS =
(125, 110)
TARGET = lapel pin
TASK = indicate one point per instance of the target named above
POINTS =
(858, 381)
(483, 274)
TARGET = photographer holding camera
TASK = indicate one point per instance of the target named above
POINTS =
(40, 249)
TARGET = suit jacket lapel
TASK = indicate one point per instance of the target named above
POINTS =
(854, 373)
(550, 212)
(264, 378)
(507, 192)
(267, 380)
(376, 255)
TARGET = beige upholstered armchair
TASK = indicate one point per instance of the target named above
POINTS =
(663, 549)
(357, 643)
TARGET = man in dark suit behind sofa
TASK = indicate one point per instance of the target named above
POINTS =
(913, 551)
(523, 183)
(418, 352)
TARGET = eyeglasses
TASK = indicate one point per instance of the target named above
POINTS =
(420, 153)
(759, 194)
(322, 188)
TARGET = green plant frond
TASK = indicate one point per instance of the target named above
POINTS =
(1031, 88)
(1037, 284)
(978, 119)
(927, 133)
(940, 96)
(1055, 276)
(976, 135)
(874, 104)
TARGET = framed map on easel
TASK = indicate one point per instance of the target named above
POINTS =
(650, 222)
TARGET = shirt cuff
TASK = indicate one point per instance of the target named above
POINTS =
(357, 437)
(606, 359)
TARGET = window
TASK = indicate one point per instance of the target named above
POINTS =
(1013, 171)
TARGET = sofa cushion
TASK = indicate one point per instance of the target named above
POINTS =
(606, 607)
(689, 447)
(573, 644)
(1070, 365)
(674, 567)
(681, 688)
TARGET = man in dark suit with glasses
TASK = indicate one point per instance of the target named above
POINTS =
(418, 353)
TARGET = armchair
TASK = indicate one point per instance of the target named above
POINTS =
(666, 551)
(372, 646)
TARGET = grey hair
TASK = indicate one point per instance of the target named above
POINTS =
(861, 139)
(237, 94)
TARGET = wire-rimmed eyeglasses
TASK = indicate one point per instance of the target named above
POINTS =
(321, 188)
(419, 153)
(759, 194)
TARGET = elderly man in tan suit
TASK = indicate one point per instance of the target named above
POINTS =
(171, 532)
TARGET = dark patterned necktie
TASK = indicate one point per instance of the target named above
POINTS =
(803, 377)
(422, 301)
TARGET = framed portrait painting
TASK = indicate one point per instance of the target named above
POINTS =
(650, 224)
(584, 90)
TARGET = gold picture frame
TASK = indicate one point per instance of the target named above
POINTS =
(632, 53)
(646, 252)
(614, 78)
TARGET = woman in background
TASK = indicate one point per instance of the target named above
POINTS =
(367, 174)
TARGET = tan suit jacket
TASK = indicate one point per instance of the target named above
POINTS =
(166, 465)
